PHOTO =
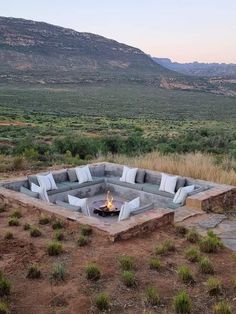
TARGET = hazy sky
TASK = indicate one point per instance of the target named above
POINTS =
(183, 30)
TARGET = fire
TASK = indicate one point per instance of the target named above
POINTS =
(109, 201)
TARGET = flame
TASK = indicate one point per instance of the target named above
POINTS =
(109, 201)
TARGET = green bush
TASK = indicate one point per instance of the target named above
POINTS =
(59, 235)
(86, 230)
(193, 236)
(82, 240)
(209, 244)
(192, 254)
(58, 272)
(154, 263)
(44, 220)
(54, 248)
(57, 224)
(92, 272)
(152, 296)
(16, 214)
(206, 266)
(126, 262)
(214, 286)
(26, 226)
(8, 236)
(222, 307)
(182, 303)
(184, 274)
(13, 222)
(128, 278)
(102, 301)
(167, 246)
(35, 232)
(33, 272)
(5, 286)
(4, 309)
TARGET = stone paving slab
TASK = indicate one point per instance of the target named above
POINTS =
(183, 213)
(212, 221)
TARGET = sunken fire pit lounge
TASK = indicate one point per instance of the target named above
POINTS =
(114, 199)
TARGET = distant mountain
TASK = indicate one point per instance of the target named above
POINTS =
(215, 70)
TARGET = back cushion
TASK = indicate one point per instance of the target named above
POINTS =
(33, 179)
(152, 178)
(97, 170)
(72, 175)
(140, 176)
(61, 176)
(181, 182)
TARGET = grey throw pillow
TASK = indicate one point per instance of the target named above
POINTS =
(97, 171)
(140, 176)
(72, 175)
(181, 182)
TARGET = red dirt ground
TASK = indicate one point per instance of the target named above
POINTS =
(76, 295)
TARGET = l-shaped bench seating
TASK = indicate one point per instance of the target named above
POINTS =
(147, 183)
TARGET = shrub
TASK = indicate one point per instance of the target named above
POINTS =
(57, 224)
(54, 248)
(154, 263)
(82, 241)
(18, 163)
(4, 308)
(26, 226)
(8, 236)
(44, 220)
(126, 262)
(13, 222)
(184, 274)
(128, 278)
(35, 232)
(102, 301)
(182, 303)
(167, 246)
(92, 272)
(152, 296)
(16, 214)
(59, 235)
(214, 286)
(86, 230)
(209, 244)
(222, 307)
(33, 272)
(5, 286)
(180, 230)
(192, 254)
(193, 236)
(59, 272)
(206, 266)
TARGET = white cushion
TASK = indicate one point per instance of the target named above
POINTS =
(83, 174)
(81, 202)
(182, 193)
(168, 183)
(134, 204)
(47, 181)
(124, 212)
(43, 195)
(129, 175)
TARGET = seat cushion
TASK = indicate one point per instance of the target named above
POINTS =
(68, 206)
(136, 186)
(97, 170)
(61, 187)
(76, 185)
(72, 175)
(29, 192)
(172, 205)
(154, 189)
(60, 176)
(142, 209)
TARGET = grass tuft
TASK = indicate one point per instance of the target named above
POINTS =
(86, 230)
(4, 309)
(214, 286)
(54, 248)
(152, 296)
(210, 244)
(92, 272)
(222, 307)
(102, 301)
(206, 266)
(35, 232)
(5, 286)
(44, 220)
(8, 236)
(33, 272)
(182, 303)
(26, 227)
(128, 278)
(59, 235)
(167, 246)
(16, 214)
(126, 262)
(154, 263)
(184, 274)
(192, 254)
(57, 224)
(13, 222)
(58, 272)
(193, 236)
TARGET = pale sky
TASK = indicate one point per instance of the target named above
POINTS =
(183, 30)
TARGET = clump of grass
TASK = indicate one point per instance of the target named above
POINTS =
(234, 257)
(128, 278)
(192, 254)
(234, 282)
(82, 240)
(59, 272)
(86, 230)
(184, 274)
(214, 286)
(35, 232)
(16, 214)
(206, 266)
(4, 309)
(222, 307)
(102, 301)
(154, 263)
(193, 236)
(152, 296)
(5, 286)
(210, 244)
(182, 303)
(2, 208)
(167, 246)
(44, 220)
(92, 272)
(180, 230)
(59, 235)
(26, 227)
(126, 262)
(8, 236)
(13, 222)
(54, 248)
(33, 272)
(57, 224)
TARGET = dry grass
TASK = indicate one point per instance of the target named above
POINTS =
(199, 166)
